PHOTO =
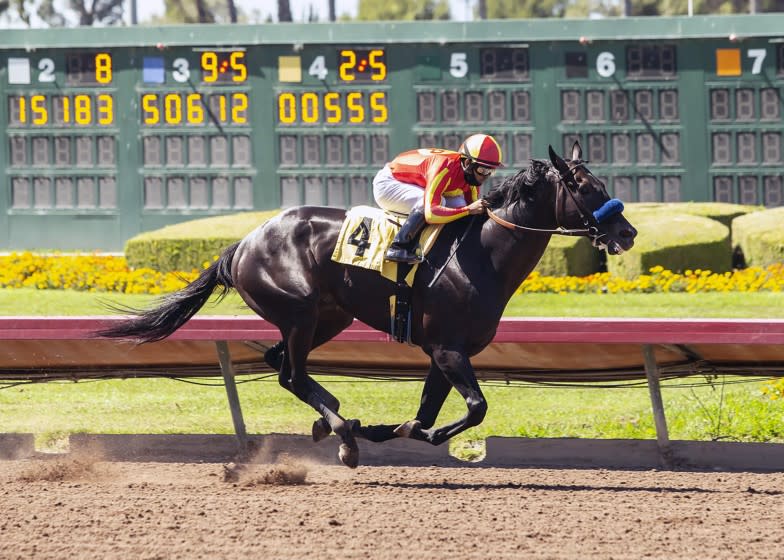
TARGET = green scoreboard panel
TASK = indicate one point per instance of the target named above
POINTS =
(110, 132)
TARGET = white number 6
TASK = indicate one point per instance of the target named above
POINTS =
(605, 64)
(458, 66)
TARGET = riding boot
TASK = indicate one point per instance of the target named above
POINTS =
(402, 247)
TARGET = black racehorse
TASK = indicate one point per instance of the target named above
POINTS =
(284, 272)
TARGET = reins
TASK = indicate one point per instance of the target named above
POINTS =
(560, 230)
(591, 230)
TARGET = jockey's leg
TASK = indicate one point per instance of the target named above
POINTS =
(404, 198)
(403, 246)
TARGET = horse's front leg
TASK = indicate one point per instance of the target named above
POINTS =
(457, 370)
(434, 393)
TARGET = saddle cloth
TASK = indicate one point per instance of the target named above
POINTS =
(367, 233)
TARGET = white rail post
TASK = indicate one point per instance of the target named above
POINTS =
(231, 392)
(654, 388)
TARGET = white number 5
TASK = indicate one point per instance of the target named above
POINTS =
(458, 66)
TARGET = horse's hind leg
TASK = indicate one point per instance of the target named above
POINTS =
(299, 340)
(277, 358)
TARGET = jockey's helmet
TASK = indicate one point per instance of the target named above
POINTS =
(482, 149)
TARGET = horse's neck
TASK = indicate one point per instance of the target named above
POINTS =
(514, 254)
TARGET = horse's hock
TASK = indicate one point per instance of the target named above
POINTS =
(553, 350)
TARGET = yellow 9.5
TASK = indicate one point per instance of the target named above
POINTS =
(223, 67)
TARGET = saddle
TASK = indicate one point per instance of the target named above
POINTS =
(367, 233)
(363, 241)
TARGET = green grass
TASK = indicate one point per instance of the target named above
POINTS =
(731, 305)
(740, 413)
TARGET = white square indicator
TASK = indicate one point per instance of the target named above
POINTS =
(18, 70)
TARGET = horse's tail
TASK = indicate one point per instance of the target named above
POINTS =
(176, 308)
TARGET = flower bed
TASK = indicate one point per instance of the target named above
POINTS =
(108, 273)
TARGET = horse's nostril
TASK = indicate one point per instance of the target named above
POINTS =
(631, 232)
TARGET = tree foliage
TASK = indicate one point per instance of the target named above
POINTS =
(199, 11)
(384, 10)
(80, 13)
(510, 9)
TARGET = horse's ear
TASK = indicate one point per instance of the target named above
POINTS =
(558, 163)
(577, 151)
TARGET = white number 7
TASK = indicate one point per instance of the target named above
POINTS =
(758, 55)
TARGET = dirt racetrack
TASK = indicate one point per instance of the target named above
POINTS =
(82, 508)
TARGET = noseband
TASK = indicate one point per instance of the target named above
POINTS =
(591, 220)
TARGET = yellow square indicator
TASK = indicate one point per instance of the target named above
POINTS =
(728, 62)
(290, 69)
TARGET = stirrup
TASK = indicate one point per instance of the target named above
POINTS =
(399, 254)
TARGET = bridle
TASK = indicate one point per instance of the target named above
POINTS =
(591, 224)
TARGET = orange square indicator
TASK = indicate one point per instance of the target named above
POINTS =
(728, 62)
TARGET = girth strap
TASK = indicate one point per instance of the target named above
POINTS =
(400, 319)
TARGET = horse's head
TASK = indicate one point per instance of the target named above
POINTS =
(582, 203)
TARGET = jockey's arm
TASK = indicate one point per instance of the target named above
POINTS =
(435, 212)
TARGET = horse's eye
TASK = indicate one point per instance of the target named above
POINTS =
(584, 188)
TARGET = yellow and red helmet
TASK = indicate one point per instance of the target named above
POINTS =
(483, 149)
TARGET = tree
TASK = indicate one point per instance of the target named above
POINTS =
(284, 10)
(384, 10)
(199, 11)
(81, 13)
(509, 9)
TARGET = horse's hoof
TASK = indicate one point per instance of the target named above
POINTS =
(348, 456)
(406, 428)
(320, 430)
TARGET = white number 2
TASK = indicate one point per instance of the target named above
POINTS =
(758, 55)
(46, 66)
(458, 66)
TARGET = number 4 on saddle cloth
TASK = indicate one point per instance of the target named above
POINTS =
(364, 238)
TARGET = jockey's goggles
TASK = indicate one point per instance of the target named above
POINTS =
(484, 171)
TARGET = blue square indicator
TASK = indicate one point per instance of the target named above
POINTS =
(152, 70)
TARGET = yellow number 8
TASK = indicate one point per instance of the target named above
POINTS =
(103, 68)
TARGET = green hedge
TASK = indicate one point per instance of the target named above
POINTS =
(569, 256)
(720, 211)
(676, 236)
(760, 237)
(189, 245)
(675, 241)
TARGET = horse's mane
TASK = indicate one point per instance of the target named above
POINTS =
(518, 186)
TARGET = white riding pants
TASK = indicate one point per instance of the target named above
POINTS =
(396, 196)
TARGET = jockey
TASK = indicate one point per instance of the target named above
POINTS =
(434, 186)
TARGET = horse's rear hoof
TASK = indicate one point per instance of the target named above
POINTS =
(406, 428)
(348, 456)
(320, 430)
